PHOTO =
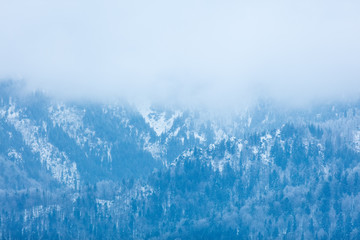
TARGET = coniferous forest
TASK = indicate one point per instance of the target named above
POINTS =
(75, 171)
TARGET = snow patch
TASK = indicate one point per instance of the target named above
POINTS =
(61, 168)
(104, 203)
(278, 132)
(155, 149)
(17, 157)
(255, 150)
(220, 135)
(39, 211)
(71, 121)
(356, 140)
(201, 137)
(158, 121)
(249, 121)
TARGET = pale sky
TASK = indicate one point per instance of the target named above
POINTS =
(193, 52)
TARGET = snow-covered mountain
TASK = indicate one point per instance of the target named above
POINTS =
(124, 171)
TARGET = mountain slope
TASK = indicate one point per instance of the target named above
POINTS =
(91, 170)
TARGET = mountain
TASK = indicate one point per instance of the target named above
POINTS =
(88, 170)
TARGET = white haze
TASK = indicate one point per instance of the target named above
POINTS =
(212, 53)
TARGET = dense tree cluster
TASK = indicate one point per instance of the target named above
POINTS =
(269, 174)
(308, 189)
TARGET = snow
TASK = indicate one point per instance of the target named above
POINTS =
(255, 150)
(71, 121)
(158, 121)
(201, 137)
(13, 154)
(184, 155)
(267, 137)
(266, 119)
(109, 154)
(265, 147)
(155, 149)
(146, 190)
(39, 211)
(104, 203)
(278, 132)
(249, 121)
(172, 134)
(356, 140)
(220, 164)
(176, 132)
(75, 197)
(61, 168)
(239, 149)
(219, 135)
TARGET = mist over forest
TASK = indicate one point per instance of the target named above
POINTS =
(179, 120)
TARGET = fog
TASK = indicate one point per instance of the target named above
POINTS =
(211, 53)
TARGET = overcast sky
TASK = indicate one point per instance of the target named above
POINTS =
(193, 52)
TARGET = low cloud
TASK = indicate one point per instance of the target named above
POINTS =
(211, 53)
